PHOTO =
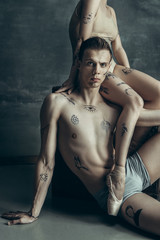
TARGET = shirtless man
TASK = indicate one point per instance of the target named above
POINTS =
(96, 18)
(81, 125)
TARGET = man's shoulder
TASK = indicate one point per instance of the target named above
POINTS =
(54, 100)
(52, 105)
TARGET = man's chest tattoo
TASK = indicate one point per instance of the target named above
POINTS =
(78, 164)
(90, 108)
(74, 120)
(105, 125)
(68, 98)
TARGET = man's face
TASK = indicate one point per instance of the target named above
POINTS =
(93, 67)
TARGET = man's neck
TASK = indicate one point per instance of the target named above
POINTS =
(89, 96)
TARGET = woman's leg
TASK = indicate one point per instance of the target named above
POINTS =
(149, 89)
(141, 210)
(146, 86)
(150, 154)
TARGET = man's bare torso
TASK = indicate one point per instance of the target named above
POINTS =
(85, 137)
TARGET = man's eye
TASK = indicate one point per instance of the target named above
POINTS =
(103, 65)
(90, 63)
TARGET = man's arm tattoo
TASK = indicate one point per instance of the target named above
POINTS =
(134, 215)
(44, 177)
(124, 129)
(69, 99)
(87, 19)
(90, 108)
(104, 89)
(78, 163)
(74, 120)
(105, 125)
(127, 70)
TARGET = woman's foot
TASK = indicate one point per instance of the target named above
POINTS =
(116, 183)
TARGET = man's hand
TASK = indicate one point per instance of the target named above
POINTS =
(19, 217)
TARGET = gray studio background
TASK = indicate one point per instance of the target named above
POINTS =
(35, 54)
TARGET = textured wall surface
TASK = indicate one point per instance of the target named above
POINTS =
(35, 54)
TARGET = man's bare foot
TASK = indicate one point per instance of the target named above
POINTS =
(116, 183)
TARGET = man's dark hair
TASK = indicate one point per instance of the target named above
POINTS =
(95, 43)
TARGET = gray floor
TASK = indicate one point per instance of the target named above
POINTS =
(60, 218)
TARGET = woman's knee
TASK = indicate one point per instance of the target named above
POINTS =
(139, 101)
(156, 97)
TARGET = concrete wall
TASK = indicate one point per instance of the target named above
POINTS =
(35, 54)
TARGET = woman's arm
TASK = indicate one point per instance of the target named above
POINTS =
(117, 47)
(88, 11)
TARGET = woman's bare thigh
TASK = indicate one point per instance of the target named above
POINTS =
(150, 154)
(143, 212)
(146, 86)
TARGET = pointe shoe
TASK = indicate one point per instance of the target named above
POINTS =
(113, 203)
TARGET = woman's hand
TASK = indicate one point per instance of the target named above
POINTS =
(19, 217)
(67, 86)
(71, 83)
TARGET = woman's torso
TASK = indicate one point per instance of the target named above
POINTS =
(104, 26)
